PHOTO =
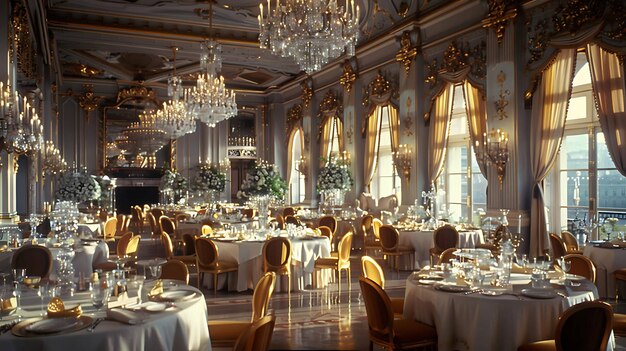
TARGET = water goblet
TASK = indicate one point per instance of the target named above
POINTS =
(43, 291)
(99, 295)
(564, 265)
(155, 271)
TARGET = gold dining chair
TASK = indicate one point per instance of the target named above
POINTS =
(119, 226)
(109, 229)
(327, 232)
(372, 270)
(277, 258)
(558, 247)
(340, 262)
(225, 333)
(446, 256)
(330, 222)
(289, 211)
(207, 256)
(582, 266)
(257, 336)
(189, 260)
(571, 244)
(190, 244)
(292, 220)
(387, 331)
(372, 242)
(390, 243)
(175, 269)
(585, 326)
(155, 227)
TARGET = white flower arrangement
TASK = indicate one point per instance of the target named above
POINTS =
(263, 179)
(335, 175)
(209, 178)
(173, 181)
(78, 187)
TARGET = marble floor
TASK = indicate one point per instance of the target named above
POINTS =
(320, 319)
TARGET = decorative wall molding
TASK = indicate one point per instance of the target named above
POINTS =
(408, 50)
(456, 58)
(503, 97)
(294, 120)
(88, 101)
(348, 77)
(408, 120)
(21, 47)
(330, 107)
(498, 17)
(135, 92)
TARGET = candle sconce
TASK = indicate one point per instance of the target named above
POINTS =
(224, 165)
(302, 166)
(402, 159)
(496, 152)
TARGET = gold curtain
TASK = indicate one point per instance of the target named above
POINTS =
(438, 133)
(476, 109)
(290, 147)
(326, 137)
(394, 126)
(371, 145)
(609, 87)
(547, 125)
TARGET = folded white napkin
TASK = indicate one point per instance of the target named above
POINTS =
(126, 316)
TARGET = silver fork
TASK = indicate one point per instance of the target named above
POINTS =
(95, 324)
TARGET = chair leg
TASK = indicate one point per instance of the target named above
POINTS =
(214, 283)
(349, 280)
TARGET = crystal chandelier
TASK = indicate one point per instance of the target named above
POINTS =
(212, 101)
(53, 162)
(143, 137)
(175, 118)
(21, 131)
(310, 31)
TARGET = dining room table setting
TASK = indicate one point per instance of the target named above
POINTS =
(112, 312)
(477, 302)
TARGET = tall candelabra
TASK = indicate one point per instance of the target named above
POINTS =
(496, 152)
(402, 160)
(302, 166)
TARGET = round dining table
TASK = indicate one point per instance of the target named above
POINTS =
(182, 326)
(422, 241)
(607, 259)
(481, 322)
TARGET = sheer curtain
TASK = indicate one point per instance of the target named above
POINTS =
(549, 111)
(438, 134)
(371, 145)
(339, 132)
(477, 120)
(394, 126)
(326, 137)
(609, 87)
(290, 146)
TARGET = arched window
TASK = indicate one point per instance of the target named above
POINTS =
(297, 186)
(385, 180)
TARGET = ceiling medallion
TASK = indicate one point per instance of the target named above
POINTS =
(307, 90)
(348, 76)
(498, 17)
(311, 32)
(407, 51)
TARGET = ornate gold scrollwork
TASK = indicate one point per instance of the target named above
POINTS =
(407, 51)
(294, 118)
(20, 44)
(307, 90)
(502, 102)
(379, 86)
(575, 14)
(330, 106)
(88, 101)
(138, 92)
(408, 120)
(498, 17)
(456, 58)
(348, 77)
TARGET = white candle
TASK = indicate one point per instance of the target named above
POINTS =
(519, 224)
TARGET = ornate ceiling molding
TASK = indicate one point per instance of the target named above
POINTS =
(307, 90)
(135, 92)
(499, 16)
(348, 77)
(408, 51)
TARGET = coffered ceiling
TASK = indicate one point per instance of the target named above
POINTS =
(131, 40)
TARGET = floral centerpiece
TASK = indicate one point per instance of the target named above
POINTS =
(609, 226)
(209, 178)
(262, 185)
(105, 191)
(77, 186)
(174, 182)
(334, 180)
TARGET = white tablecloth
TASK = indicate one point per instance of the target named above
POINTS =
(89, 230)
(606, 262)
(184, 328)
(422, 242)
(248, 255)
(483, 323)
(84, 258)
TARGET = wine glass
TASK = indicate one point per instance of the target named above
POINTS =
(99, 295)
(155, 271)
(44, 291)
(564, 265)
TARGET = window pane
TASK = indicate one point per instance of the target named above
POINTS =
(611, 189)
(577, 108)
(583, 75)
(457, 159)
(457, 188)
(574, 184)
(575, 152)
(604, 158)
(479, 188)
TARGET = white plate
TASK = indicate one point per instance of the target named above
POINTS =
(492, 292)
(52, 325)
(539, 293)
(454, 288)
(177, 295)
(428, 281)
(155, 307)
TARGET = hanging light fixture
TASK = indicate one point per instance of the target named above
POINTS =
(21, 132)
(312, 32)
(175, 118)
(212, 101)
(143, 137)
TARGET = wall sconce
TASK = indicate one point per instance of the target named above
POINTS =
(302, 166)
(402, 160)
(345, 158)
(224, 165)
(496, 151)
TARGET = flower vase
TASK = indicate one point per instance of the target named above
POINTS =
(262, 206)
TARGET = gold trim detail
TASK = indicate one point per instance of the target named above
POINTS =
(88, 101)
(330, 106)
(21, 44)
(294, 117)
(498, 17)
(502, 102)
(456, 58)
(307, 90)
(408, 120)
(348, 77)
(407, 51)
(136, 92)
(576, 14)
